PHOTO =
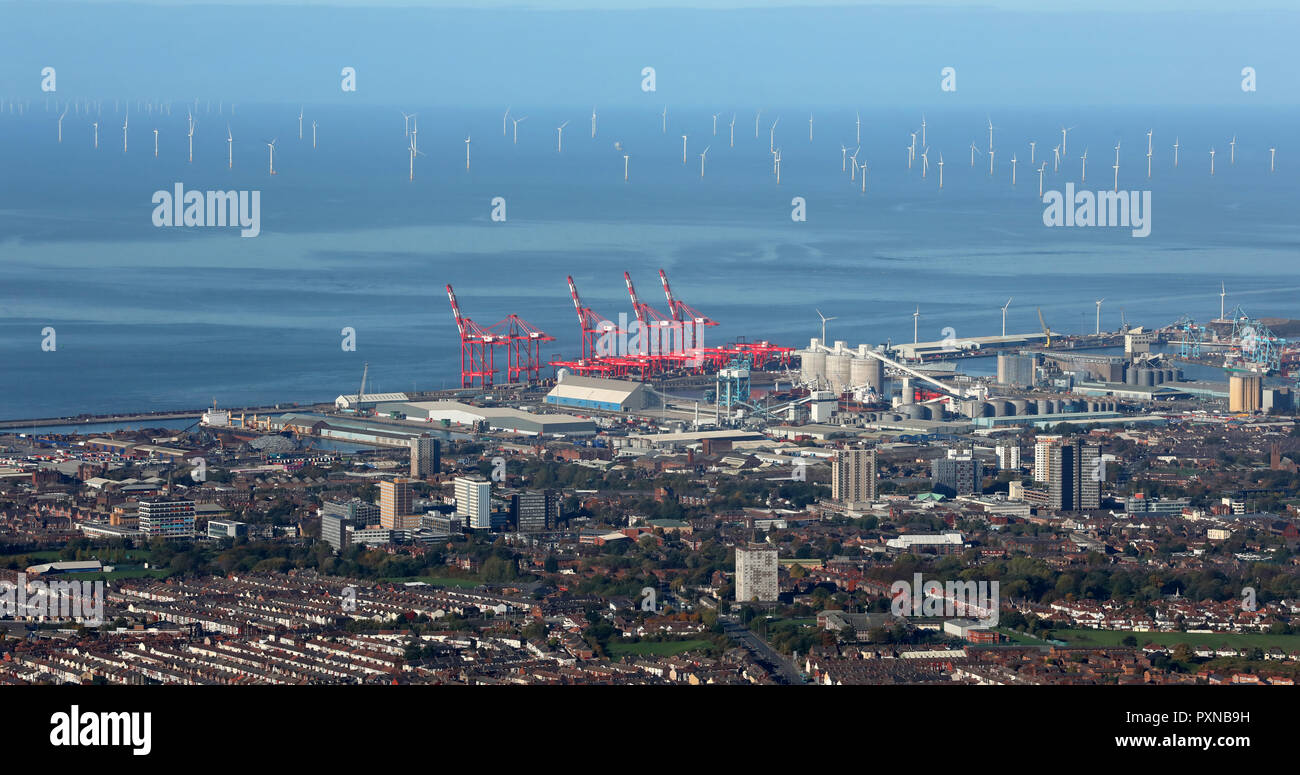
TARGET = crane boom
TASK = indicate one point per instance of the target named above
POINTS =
(668, 292)
(1046, 330)
(636, 303)
(455, 311)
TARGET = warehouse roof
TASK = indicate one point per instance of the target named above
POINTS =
(612, 391)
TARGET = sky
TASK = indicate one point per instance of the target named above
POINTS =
(580, 52)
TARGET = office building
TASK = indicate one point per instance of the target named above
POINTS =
(535, 510)
(756, 578)
(356, 511)
(395, 505)
(166, 517)
(853, 477)
(426, 457)
(226, 528)
(334, 531)
(474, 501)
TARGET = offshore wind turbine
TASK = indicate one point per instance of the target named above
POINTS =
(155, 143)
(853, 175)
(1032, 143)
(925, 162)
(911, 150)
(1272, 154)
(559, 137)
(313, 133)
(844, 155)
(990, 162)
(65, 112)
(702, 155)
(96, 125)
(467, 151)
(271, 147)
(1148, 154)
(1004, 316)
(733, 130)
(683, 149)
(771, 136)
(193, 123)
(665, 127)
(230, 149)
(1084, 176)
(504, 119)
(1211, 161)
(625, 158)
(859, 125)
(299, 122)
(810, 127)
(864, 177)
(715, 124)
(1175, 151)
(1056, 159)
(1064, 131)
(973, 149)
(1013, 169)
(1041, 169)
(923, 130)
(517, 120)
(1232, 151)
(593, 122)
(990, 134)
(756, 115)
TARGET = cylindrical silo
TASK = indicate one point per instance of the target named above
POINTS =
(1043, 406)
(867, 372)
(1146, 378)
(1019, 406)
(813, 367)
(1131, 374)
(838, 372)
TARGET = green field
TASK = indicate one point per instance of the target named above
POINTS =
(1230, 639)
(651, 649)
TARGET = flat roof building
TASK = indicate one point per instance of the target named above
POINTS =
(609, 395)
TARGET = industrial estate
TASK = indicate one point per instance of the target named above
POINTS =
(1125, 503)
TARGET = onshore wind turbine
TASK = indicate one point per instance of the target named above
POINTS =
(1099, 301)
(1004, 316)
(916, 316)
(824, 319)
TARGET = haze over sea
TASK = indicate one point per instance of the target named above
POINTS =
(163, 318)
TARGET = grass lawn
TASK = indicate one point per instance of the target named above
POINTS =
(660, 649)
(1018, 639)
(1230, 639)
